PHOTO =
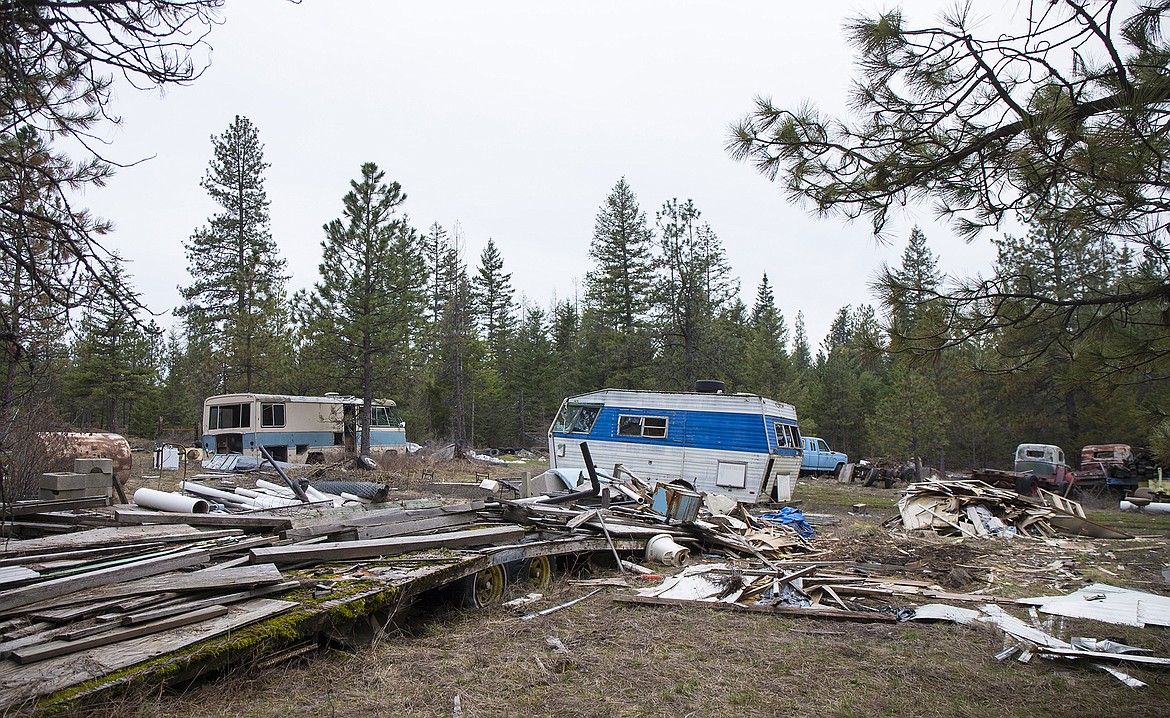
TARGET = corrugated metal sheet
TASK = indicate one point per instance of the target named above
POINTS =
(1111, 604)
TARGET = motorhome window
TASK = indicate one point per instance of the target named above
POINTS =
(576, 419)
(654, 427)
(386, 416)
(651, 427)
(787, 436)
(229, 416)
(629, 426)
(271, 415)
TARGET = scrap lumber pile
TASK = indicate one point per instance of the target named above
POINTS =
(736, 533)
(976, 509)
(77, 607)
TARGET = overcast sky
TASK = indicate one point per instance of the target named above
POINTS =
(514, 120)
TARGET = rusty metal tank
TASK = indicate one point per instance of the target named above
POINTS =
(58, 449)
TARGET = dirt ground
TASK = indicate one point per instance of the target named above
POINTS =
(599, 658)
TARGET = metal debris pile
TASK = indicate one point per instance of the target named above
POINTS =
(1041, 637)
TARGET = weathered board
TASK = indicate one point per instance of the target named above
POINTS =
(350, 550)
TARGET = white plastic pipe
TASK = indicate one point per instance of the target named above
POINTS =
(166, 501)
(317, 496)
(276, 488)
(265, 502)
(1150, 508)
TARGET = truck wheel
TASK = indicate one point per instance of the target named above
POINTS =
(1026, 486)
(837, 470)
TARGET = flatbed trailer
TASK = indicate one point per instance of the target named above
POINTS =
(328, 606)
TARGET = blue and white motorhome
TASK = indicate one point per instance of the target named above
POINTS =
(299, 429)
(741, 445)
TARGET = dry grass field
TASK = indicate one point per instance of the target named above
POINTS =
(599, 658)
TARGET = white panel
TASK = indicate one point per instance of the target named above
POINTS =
(732, 475)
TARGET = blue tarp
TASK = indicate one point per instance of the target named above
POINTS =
(791, 517)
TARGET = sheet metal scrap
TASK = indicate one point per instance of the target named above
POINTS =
(975, 509)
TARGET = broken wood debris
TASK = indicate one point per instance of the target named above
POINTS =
(973, 509)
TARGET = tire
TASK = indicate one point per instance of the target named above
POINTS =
(837, 470)
(710, 386)
(1026, 486)
(538, 572)
(482, 589)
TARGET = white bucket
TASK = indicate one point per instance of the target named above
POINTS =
(663, 549)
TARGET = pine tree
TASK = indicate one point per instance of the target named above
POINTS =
(693, 288)
(618, 291)
(767, 366)
(113, 357)
(910, 421)
(365, 308)
(531, 367)
(492, 288)
(801, 351)
(237, 293)
(907, 292)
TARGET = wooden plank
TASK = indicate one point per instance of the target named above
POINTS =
(52, 649)
(226, 599)
(177, 582)
(20, 685)
(349, 550)
(105, 537)
(81, 554)
(240, 521)
(16, 574)
(88, 610)
(376, 517)
(38, 592)
(26, 508)
(833, 614)
(402, 528)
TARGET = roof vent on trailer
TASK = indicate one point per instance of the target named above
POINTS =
(710, 386)
(332, 393)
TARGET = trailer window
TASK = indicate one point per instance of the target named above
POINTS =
(271, 415)
(229, 416)
(651, 427)
(787, 436)
(576, 419)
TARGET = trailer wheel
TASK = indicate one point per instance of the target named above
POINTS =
(483, 589)
(539, 572)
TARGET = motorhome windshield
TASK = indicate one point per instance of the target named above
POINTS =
(386, 416)
(229, 416)
(576, 418)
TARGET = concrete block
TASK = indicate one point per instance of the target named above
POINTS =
(93, 491)
(87, 466)
(54, 495)
(64, 481)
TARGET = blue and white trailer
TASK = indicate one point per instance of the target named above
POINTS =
(299, 429)
(740, 445)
